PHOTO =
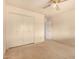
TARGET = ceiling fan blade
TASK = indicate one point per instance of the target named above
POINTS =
(47, 6)
(62, 1)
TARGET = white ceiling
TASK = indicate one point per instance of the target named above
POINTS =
(36, 6)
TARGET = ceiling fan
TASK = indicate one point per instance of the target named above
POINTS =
(50, 2)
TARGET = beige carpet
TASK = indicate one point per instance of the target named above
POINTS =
(46, 50)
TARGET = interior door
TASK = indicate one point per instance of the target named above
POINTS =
(20, 29)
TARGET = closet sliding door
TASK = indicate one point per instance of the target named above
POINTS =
(20, 29)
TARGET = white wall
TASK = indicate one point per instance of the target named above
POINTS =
(38, 24)
(61, 25)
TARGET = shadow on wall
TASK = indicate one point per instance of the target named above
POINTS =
(60, 26)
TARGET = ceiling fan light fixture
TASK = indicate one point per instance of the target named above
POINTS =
(56, 6)
(57, 2)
